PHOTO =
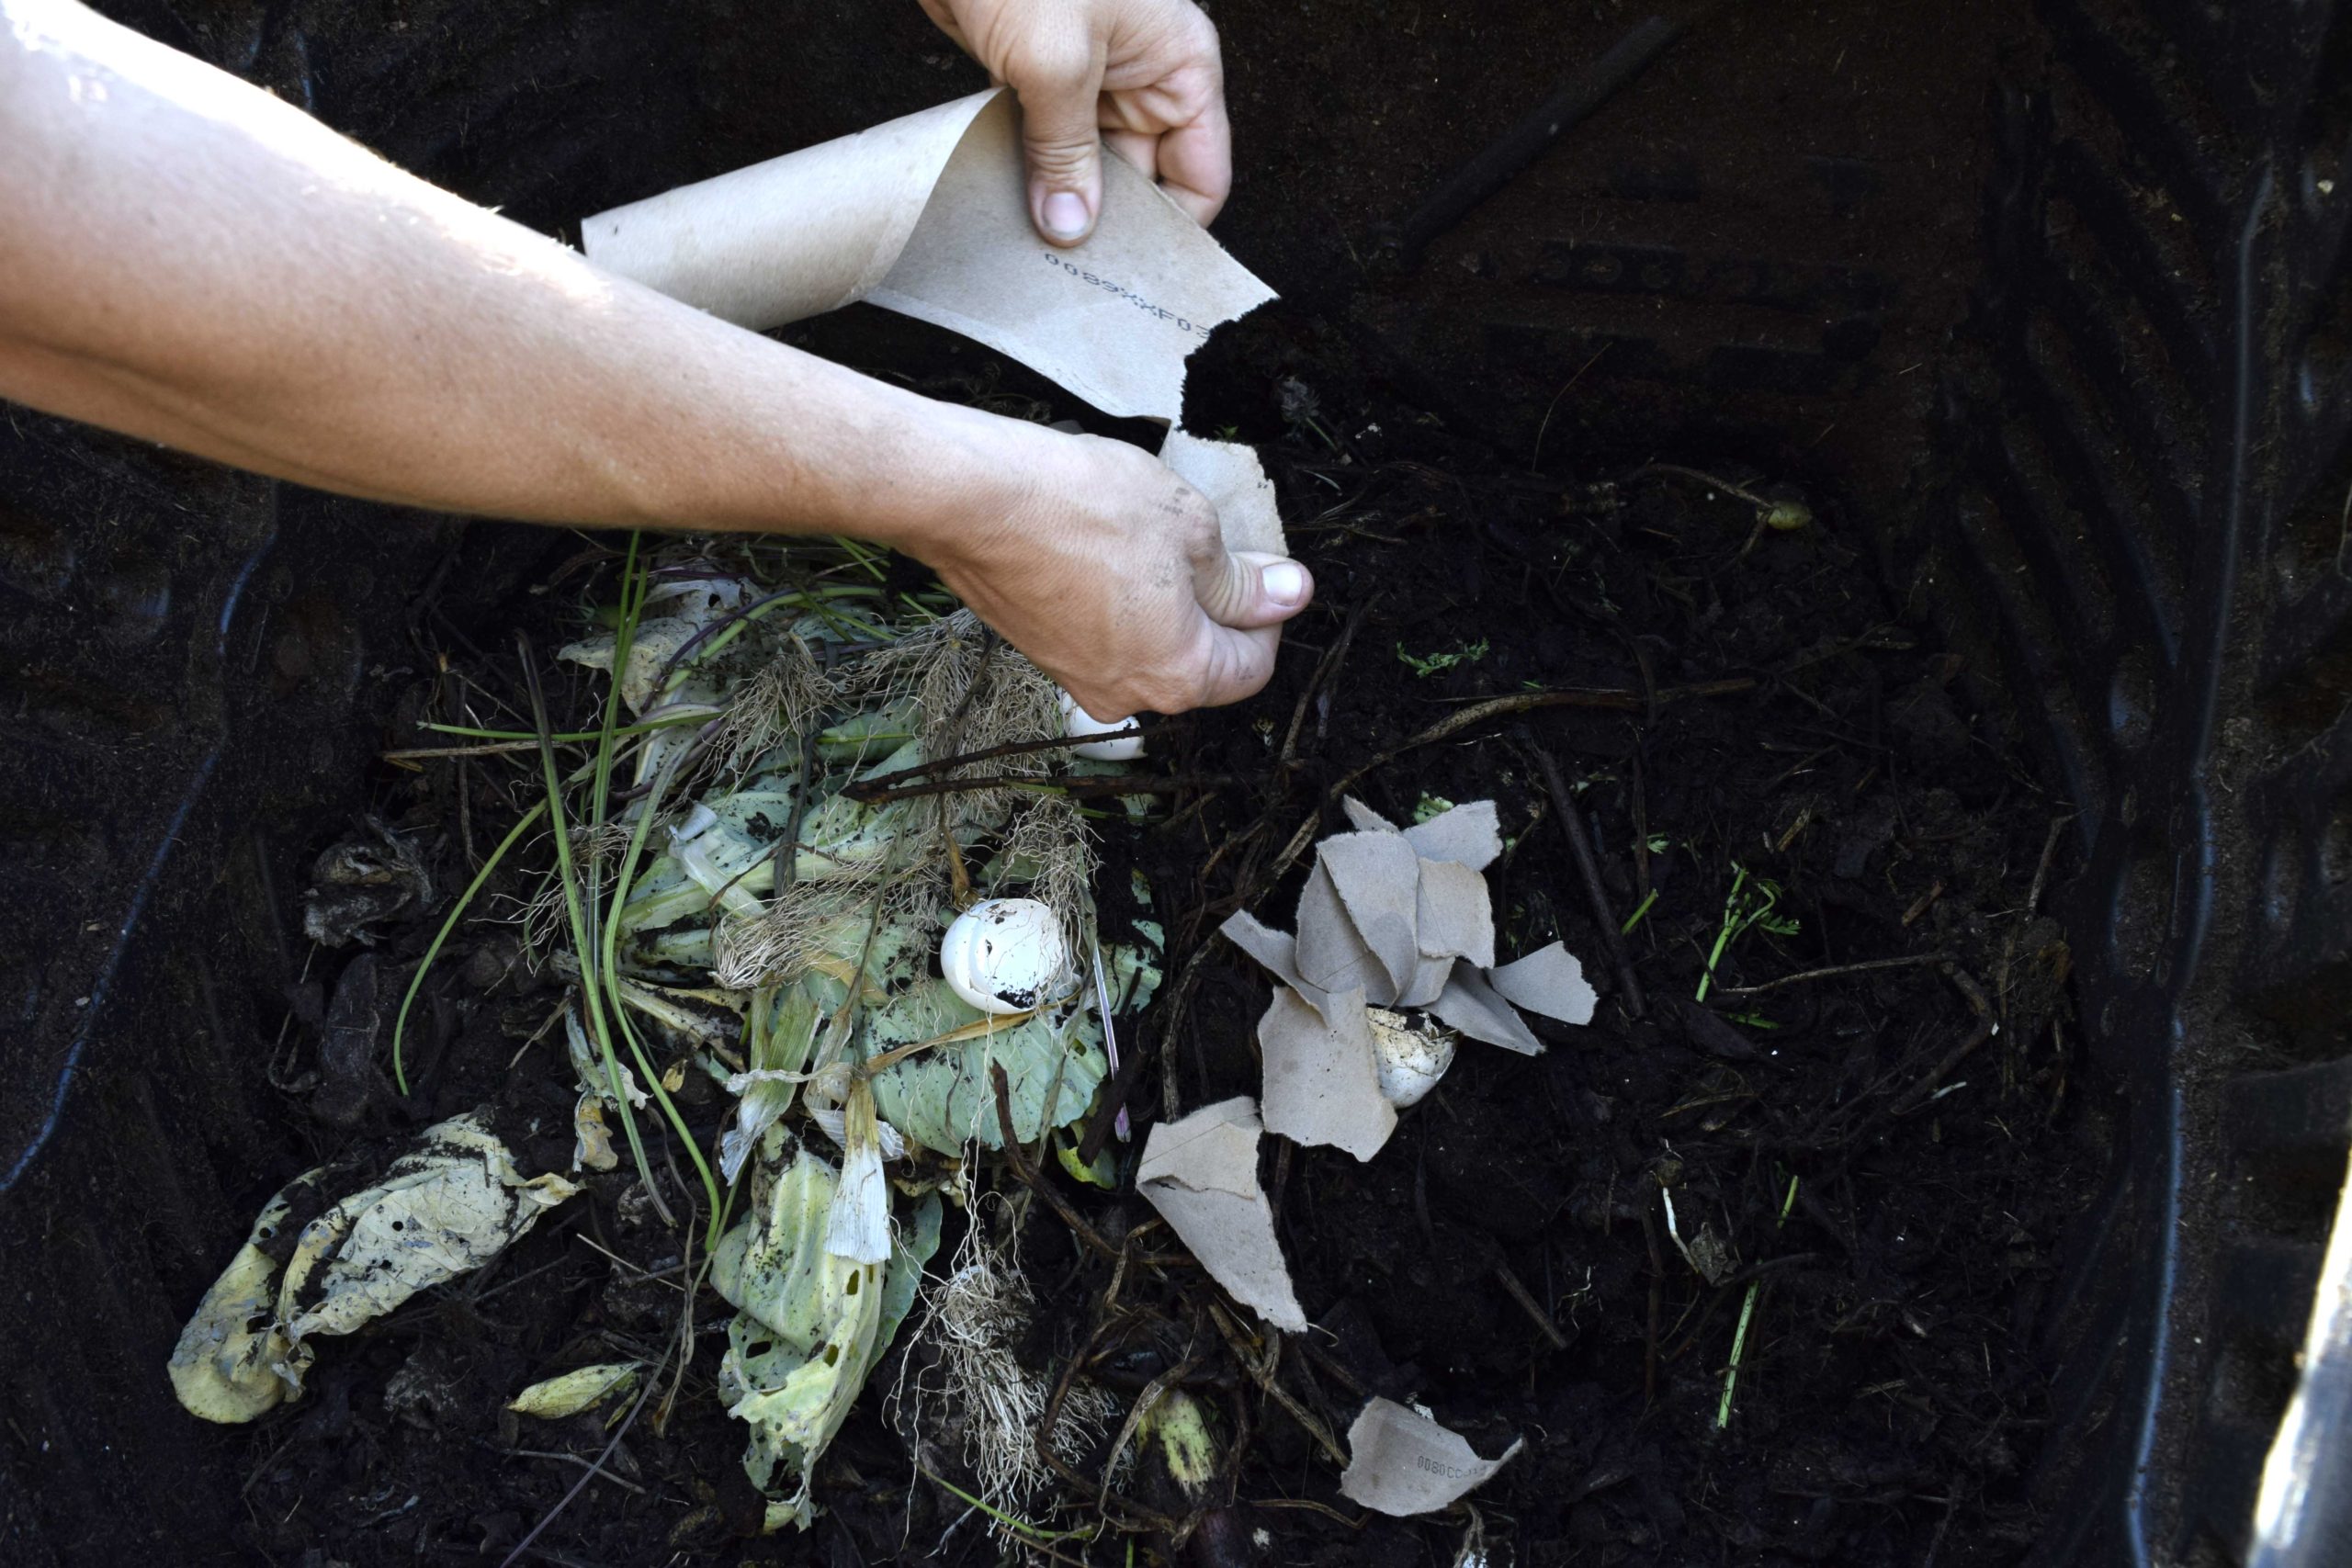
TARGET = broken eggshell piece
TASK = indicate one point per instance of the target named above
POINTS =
(1077, 722)
(1006, 955)
(1411, 1059)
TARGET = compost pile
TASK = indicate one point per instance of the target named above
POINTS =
(1747, 1265)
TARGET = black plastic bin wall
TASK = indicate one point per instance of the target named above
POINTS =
(2135, 487)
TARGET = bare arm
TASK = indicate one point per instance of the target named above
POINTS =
(184, 258)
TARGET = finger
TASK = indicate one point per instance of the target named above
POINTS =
(1251, 588)
(1238, 664)
(1059, 89)
(1197, 165)
(1140, 148)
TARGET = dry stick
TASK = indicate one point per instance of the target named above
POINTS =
(1564, 806)
(1834, 972)
(1531, 1307)
(1079, 785)
(593, 1471)
(863, 788)
(1657, 1289)
(1911, 1098)
(1030, 1179)
(1263, 1371)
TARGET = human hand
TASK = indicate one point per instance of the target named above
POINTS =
(1109, 572)
(1143, 74)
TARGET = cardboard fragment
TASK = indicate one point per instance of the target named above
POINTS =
(1200, 1173)
(1322, 1079)
(1229, 474)
(1401, 1463)
(927, 216)
(1332, 957)
(1468, 835)
(1455, 918)
(1366, 818)
(1550, 981)
(1429, 983)
(1276, 951)
(1378, 879)
(1471, 1005)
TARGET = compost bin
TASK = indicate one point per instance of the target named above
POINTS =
(2043, 305)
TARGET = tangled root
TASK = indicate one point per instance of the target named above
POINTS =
(977, 1397)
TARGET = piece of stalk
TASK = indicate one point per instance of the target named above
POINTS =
(457, 912)
(598, 1030)
(609, 972)
(573, 738)
(1748, 1310)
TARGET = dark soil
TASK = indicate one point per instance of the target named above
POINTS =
(1886, 1409)
(1506, 1258)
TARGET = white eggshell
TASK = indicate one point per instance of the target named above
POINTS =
(1076, 721)
(1410, 1060)
(1006, 955)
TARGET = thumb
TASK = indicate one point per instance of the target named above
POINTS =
(1059, 133)
(1251, 588)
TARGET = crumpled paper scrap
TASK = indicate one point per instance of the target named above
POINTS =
(1200, 1173)
(1391, 918)
(1401, 1462)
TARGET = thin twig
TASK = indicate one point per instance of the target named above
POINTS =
(1531, 1307)
(864, 788)
(1070, 784)
(1613, 935)
(1834, 972)
(1030, 1179)
(593, 1470)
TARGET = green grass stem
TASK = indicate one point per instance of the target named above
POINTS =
(457, 913)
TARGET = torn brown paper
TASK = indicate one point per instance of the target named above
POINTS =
(1467, 835)
(1549, 981)
(928, 215)
(1470, 1005)
(1454, 916)
(1366, 819)
(1201, 1175)
(1332, 957)
(1401, 1463)
(1322, 1080)
(1229, 474)
(1378, 880)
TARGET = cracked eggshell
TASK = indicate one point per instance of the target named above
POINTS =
(1410, 1060)
(1077, 722)
(1006, 955)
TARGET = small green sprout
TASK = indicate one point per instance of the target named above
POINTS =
(1748, 904)
(1427, 664)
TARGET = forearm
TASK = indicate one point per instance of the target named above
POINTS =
(186, 259)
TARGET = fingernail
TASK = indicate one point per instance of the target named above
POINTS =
(1065, 214)
(1284, 582)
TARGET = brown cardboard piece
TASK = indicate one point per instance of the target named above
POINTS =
(1322, 1080)
(927, 215)
(1400, 1462)
(1200, 1173)
(1550, 981)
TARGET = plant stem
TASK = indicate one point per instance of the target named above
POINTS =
(457, 912)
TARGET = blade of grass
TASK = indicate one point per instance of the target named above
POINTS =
(610, 970)
(457, 913)
(1639, 910)
(571, 737)
(598, 1031)
(1748, 1310)
(1012, 1522)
